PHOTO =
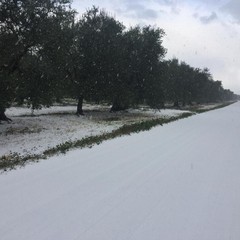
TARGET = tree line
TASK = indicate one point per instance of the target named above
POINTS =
(47, 53)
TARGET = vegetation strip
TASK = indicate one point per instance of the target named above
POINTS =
(214, 108)
(15, 160)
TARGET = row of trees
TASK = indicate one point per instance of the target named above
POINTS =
(46, 55)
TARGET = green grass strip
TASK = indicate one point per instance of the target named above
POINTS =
(214, 108)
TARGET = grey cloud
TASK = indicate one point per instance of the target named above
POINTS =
(208, 19)
(134, 6)
(173, 4)
(233, 8)
(147, 14)
(166, 2)
(136, 9)
(141, 9)
(140, 2)
(196, 15)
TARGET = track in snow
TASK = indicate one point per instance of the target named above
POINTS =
(176, 182)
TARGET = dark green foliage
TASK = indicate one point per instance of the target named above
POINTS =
(26, 28)
(35, 83)
(138, 68)
(188, 85)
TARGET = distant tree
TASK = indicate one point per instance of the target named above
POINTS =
(186, 84)
(155, 94)
(151, 69)
(139, 78)
(122, 87)
(174, 85)
(208, 89)
(187, 77)
(228, 95)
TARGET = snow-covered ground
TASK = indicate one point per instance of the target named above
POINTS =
(28, 135)
(179, 181)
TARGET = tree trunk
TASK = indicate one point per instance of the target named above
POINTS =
(79, 106)
(3, 117)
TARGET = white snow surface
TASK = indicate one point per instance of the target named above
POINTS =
(179, 181)
(28, 135)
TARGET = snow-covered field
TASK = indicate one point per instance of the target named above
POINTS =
(28, 135)
(179, 181)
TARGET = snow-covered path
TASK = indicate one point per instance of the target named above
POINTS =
(176, 182)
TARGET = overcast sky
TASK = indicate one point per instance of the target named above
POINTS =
(203, 33)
